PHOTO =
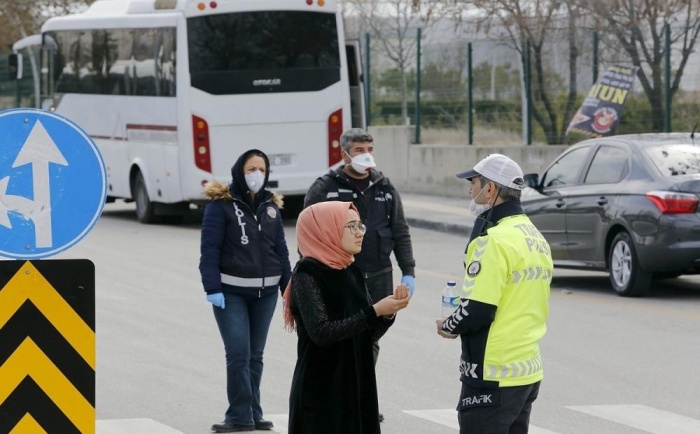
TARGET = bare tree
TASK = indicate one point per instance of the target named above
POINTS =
(20, 18)
(638, 26)
(16, 21)
(531, 25)
(393, 24)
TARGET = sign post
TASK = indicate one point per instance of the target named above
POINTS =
(53, 187)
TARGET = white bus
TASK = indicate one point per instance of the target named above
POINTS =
(173, 91)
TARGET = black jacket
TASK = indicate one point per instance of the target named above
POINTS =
(381, 211)
(243, 249)
(334, 387)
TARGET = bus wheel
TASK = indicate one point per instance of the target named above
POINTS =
(145, 209)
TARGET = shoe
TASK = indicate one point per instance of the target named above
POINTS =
(263, 425)
(381, 417)
(228, 426)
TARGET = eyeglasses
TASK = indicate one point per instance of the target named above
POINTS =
(356, 227)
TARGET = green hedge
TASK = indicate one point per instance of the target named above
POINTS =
(507, 115)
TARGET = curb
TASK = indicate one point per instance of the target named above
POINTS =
(451, 228)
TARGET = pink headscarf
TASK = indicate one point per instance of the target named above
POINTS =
(320, 236)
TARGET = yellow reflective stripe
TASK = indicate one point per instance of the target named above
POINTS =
(532, 273)
(523, 368)
(479, 251)
(480, 248)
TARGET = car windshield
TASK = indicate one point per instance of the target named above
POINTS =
(675, 159)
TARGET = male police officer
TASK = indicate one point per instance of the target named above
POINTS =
(380, 208)
(504, 305)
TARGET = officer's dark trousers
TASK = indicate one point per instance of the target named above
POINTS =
(379, 287)
(511, 417)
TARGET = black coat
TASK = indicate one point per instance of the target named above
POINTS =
(334, 389)
(380, 208)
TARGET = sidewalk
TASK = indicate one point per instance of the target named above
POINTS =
(445, 214)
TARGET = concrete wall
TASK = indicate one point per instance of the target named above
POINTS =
(431, 169)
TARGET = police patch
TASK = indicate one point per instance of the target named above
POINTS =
(271, 212)
(474, 268)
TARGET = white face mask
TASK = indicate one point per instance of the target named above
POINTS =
(362, 163)
(478, 208)
(255, 180)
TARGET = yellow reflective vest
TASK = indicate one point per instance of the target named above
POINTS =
(511, 268)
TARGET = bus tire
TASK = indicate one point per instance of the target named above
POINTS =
(145, 209)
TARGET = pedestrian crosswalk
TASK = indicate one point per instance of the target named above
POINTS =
(133, 426)
(644, 418)
(448, 418)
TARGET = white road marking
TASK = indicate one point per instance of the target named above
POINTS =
(133, 426)
(280, 421)
(443, 417)
(448, 418)
(644, 418)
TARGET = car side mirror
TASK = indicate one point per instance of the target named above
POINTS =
(532, 180)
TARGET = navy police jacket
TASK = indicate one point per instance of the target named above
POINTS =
(243, 250)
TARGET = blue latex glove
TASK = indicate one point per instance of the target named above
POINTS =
(410, 282)
(217, 299)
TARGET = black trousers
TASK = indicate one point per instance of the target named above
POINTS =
(379, 286)
(512, 416)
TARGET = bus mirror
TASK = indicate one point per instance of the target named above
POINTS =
(14, 66)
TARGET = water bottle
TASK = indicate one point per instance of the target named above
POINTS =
(450, 300)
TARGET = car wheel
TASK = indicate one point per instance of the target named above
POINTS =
(145, 209)
(627, 278)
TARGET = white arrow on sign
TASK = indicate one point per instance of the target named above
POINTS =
(12, 203)
(38, 150)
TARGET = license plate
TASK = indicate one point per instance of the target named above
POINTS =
(280, 159)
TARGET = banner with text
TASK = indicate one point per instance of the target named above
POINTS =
(602, 109)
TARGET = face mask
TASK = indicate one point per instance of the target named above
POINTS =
(362, 163)
(255, 180)
(477, 208)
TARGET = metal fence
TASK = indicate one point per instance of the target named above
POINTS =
(458, 89)
(485, 91)
(15, 93)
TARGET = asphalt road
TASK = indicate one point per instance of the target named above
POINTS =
(612, 365)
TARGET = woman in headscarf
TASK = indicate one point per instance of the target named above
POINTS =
(334, 389)
(244, 262)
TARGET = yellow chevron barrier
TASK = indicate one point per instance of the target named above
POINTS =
(28, 425)
(47, 347)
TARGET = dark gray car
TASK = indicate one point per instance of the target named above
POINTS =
(624, 204)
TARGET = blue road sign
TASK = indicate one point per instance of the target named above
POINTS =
(53, 183)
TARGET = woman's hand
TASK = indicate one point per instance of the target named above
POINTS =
(391, 304)
(401, 291)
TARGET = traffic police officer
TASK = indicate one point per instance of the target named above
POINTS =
(504, 307)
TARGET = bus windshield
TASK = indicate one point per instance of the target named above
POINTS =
(263, 52)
